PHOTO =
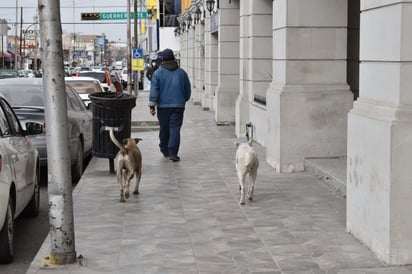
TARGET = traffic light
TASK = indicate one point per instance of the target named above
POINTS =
(90, 16)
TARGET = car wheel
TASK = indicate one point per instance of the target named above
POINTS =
(7, 237)
(77, 169)
(33, 207)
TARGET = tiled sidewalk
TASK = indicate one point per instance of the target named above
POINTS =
(187, 218)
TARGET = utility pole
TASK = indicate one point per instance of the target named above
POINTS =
(58, 155)
(128, 60)
(21, 34)
(15, 35)
(36, 50)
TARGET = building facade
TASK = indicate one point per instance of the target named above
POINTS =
(316, 78)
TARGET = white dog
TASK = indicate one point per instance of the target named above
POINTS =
(246, 163)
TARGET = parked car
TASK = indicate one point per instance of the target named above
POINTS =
(19, 176)
(77, 69)
(102, 76)
(28, 73)
(26, 97)
(8, 73)
(84, 86)
(123, 78)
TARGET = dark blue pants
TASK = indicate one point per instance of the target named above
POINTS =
(170, 122)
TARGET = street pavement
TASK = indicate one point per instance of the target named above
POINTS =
(187, 217)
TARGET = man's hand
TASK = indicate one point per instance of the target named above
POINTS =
(152, 111)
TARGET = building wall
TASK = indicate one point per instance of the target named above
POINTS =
(255, 67)
(379, 134)
(310, 109)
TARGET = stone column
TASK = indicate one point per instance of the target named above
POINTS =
(211, 68)
(183, 50)
(228, 62)
(255, 66)
(379, 173)
(191, 59)
(308, 100)
(198, 85)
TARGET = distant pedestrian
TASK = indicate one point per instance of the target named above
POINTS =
(170, 90)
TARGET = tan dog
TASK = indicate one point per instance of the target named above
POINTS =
(128, 162)
(246, 163)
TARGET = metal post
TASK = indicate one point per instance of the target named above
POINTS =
(21, 32)
(61, 219)
(136, 44)
(128, 48)
(2, 52)
(36, 43)
(15, 35)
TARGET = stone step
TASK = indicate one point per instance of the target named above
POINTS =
(331, 171)
(141, 126)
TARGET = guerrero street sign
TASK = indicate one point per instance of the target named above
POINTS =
(112, 15)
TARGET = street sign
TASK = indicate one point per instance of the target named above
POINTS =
(121, 15)
(137, 64)
(137, 53)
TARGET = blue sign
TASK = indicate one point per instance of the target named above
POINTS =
(100, 41)
(137, 53)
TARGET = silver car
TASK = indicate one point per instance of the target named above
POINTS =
(26, 97)
(19, 176)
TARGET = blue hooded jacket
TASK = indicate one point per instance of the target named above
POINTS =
(170, 86)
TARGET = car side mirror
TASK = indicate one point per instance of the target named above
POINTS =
(33, 128)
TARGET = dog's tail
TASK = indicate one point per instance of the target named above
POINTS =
(113, 138)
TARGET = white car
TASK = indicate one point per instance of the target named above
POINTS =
(19, 176)
(84, 86)
(123, 78)
(102, 76)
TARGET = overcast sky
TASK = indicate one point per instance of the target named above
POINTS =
(70, 16)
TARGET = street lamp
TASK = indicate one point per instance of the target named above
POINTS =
(183, 26)
(198, 14)
(189, 21)
(210, 5)
(177, 31)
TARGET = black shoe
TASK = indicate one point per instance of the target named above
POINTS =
(174, 158)
(165, 155)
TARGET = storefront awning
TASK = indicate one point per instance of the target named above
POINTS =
(13, 55)
(4, 54)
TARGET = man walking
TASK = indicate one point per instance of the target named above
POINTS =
(170, 90)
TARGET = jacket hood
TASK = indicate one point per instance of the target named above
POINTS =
(170, 65)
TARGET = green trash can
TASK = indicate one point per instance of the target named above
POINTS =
(110, 109)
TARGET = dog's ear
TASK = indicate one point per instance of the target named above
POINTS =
(236, 144)
(137, 140)
(124, 142)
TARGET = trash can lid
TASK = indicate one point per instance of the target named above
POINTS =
(115, 100)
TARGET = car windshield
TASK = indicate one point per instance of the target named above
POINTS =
(85, 87)
(23, 95)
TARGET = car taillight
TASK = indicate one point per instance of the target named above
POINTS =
(107, 78)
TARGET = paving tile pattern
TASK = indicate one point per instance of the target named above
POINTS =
(187, 218)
